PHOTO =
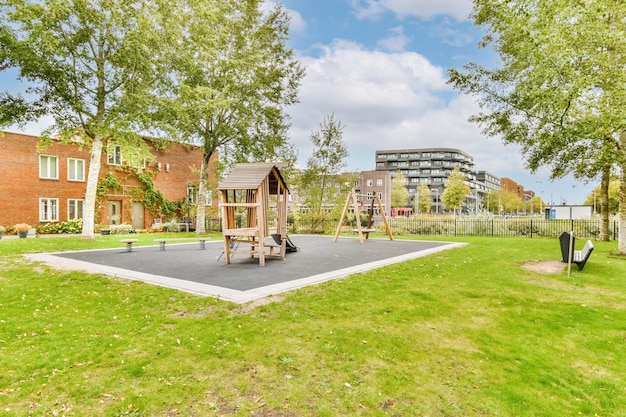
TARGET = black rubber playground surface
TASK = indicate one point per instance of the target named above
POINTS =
(188, 268)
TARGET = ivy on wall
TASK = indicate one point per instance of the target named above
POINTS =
(153, 199)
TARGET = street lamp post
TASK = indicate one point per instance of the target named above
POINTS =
(188, 222)
(436, 200)
(594, 202)
(540, 197)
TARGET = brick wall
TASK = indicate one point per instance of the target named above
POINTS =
(21, 187)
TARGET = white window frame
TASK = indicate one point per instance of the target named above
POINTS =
(47, 174)
(192, 195)
(48, 209)
(75, 202)
(78, 173)
(379, 182)
(369, 183)
(115, 155)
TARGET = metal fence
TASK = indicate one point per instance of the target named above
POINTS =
(464, 226)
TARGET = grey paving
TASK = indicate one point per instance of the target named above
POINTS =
(188, 268)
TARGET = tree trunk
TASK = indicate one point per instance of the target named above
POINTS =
(621, 239)
(202, 186)
(604, 203)
(89, 208)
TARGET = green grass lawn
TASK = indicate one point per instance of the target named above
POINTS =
(465, 332)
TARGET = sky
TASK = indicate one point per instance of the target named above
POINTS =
(380, 68)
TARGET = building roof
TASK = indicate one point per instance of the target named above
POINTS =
(250, 176)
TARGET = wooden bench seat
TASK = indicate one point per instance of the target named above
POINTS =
(165, 240)
(129, 244)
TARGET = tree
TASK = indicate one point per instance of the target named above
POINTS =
(559, 90)
(456, 190)
(88, 65)
(229, 86)
(536, 205)
(320, 184)
(399, 192)
(424, 201)
(593, 199)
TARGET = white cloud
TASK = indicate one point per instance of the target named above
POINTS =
(386, 101)
(396, 41)
(425, 9)
(399, 101)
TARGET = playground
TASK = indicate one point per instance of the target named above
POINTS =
(204, 272)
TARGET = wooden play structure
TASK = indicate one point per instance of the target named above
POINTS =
(252, 196)
(353, 197)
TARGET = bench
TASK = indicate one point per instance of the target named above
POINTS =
(129, 244)
(578, 257)
(366, 231)
(163, 241)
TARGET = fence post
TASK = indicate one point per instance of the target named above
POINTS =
(531, 228)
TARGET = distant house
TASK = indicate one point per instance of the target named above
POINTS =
(49, 186)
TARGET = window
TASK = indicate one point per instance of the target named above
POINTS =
(192, 195)
(48, 167)
(115, 155)
(48, 210)
(382, 156)
(379, 182)
(75, 169)
(74, 209)
(369, 183)
(380, 164)
(404, 155)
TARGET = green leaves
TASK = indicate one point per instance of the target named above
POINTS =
(559, 81)
(456, 190)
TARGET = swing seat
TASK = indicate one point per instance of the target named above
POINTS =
(364, 230)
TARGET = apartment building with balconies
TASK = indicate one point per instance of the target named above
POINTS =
(430, 166)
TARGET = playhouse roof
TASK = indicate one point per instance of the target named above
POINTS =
(250, 176)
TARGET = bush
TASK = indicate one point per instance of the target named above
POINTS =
(171, 226)
(121, 229)
(73, 226)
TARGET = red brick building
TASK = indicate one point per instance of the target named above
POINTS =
(38, 187)
(508, 184)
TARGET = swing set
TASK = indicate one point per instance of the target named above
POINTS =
(353, 197)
